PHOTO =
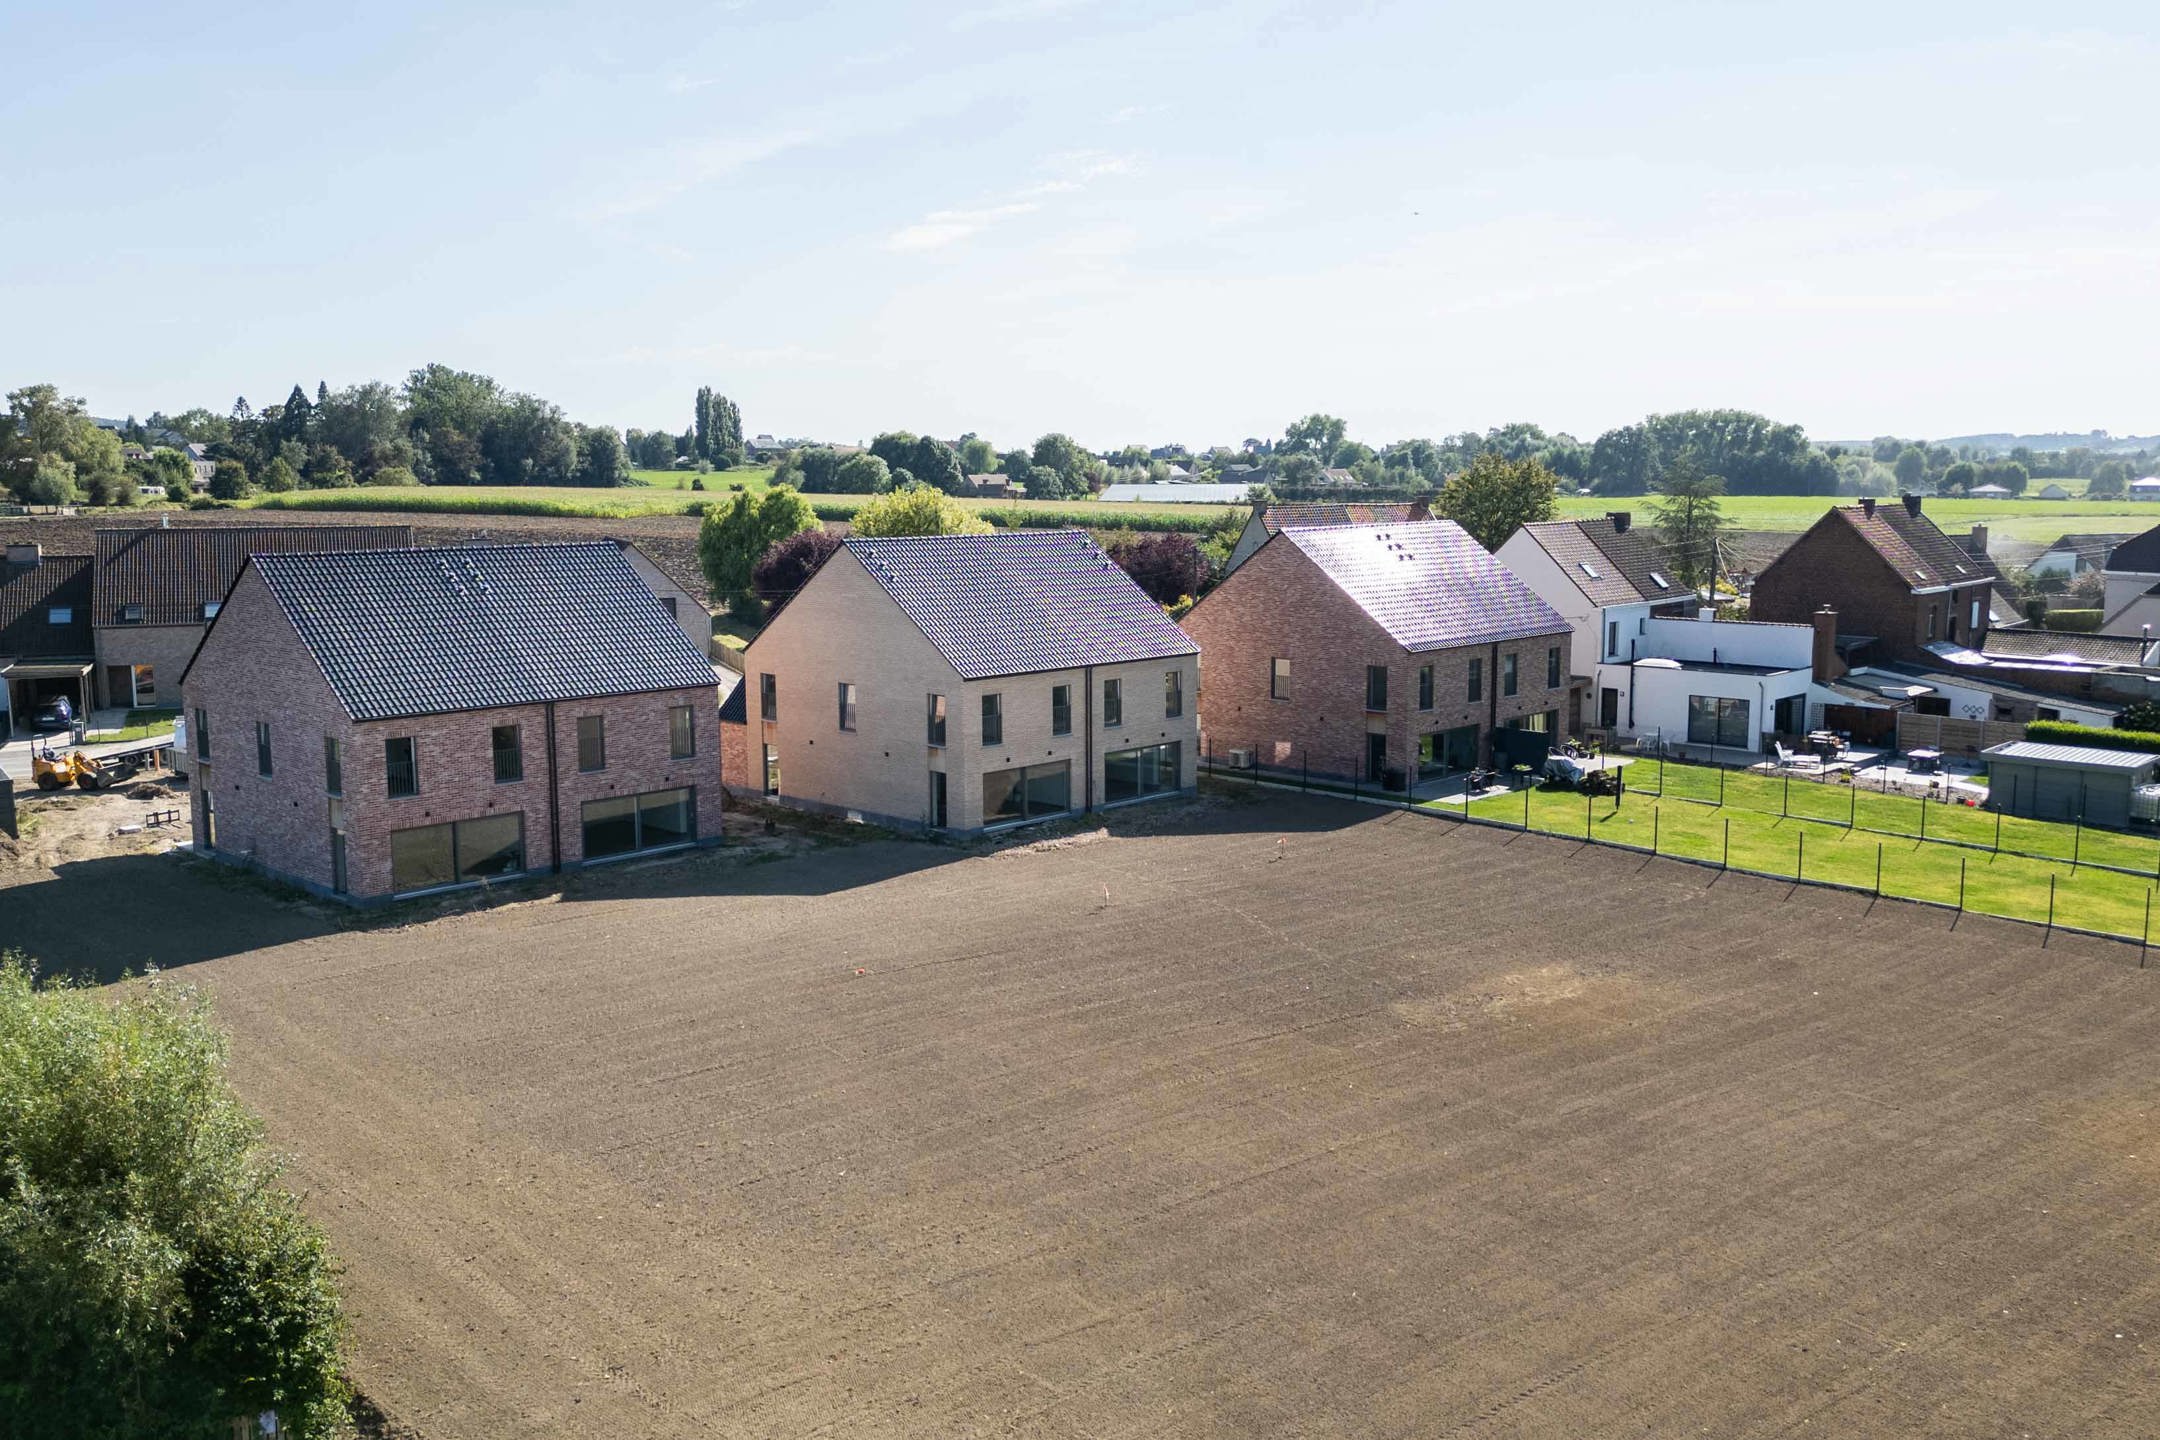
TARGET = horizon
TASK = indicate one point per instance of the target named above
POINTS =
(1013, 217)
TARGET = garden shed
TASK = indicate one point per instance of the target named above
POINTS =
(2067, 782)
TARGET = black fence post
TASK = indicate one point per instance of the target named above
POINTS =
(1878, 869)
(1785, 805)
(1720, 781)
(1852, 806)
(1586, 803)
(1998, 820)
(1305, 779)
(1961, 883)
(1725, 856)
(2051, 911)
(1923, 817)
(1657, 814)
(1799, 867)
(1526, 807)
(2077, 841)
(2145, 935)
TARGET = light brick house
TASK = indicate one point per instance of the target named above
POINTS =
(1383, 653)
(1890, 575)
(968, 682)
(375, 723)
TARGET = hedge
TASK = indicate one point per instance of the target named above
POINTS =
(2055, 732)
(2084, 620)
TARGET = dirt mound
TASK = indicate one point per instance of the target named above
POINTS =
(151, 790)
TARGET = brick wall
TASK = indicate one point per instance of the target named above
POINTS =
(1832, 565)
(254, 668)
(1279, 603)
(166, 648)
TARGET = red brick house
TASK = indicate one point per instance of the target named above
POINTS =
(369, 724)
(1381, 652)
(1891, 576)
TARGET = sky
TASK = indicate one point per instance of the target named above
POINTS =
(1130, 221)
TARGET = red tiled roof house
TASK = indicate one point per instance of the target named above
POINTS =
(1889, 574)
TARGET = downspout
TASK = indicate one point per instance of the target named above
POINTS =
(554, 798)
(1492, 697)
(1087, 738)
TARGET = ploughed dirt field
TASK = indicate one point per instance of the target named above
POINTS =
(1265, 1117)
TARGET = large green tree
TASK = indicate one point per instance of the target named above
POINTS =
(1315, 435)
(1689, 519)
(156, 1282)
(1494, 497)
(918, 510)
(736, 535)
(1910, 467)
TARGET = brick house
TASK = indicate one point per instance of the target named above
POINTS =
(968, 682)
(157, 590)
(375, 723)
(45, 640)
(1891, 576)
(1384, 652)
(1266, 520)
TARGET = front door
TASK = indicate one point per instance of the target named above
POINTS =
(1608, 707)
(1376, 757)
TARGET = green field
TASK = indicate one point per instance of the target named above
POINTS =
(2037, 521)
(1844, 828)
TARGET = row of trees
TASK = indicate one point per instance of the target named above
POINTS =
(1055, 468)
(52, 453)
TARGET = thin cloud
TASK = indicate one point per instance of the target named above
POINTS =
(941, 228)
(700, 163)
(1011, 11)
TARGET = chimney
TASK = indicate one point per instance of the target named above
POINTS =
(1827, 664)
(1621, 519)
(26, 553)
(1867, 505)
(1912, 505)
(1421, 510)
(1706, 613)
(1978, 544)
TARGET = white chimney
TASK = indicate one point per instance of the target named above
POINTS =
(1708, 612)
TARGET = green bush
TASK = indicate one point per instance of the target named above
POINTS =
(2084, 620)
(2092, 737)
(1076, 517)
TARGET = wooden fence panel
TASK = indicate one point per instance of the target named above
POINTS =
(1952, 736)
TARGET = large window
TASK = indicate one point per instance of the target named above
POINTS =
(507, 744)
(333, 764)
(476, 849)
(1376, 687)
(1027, 794)
(1113, 703)
(937, 720)
(681, 732)
(847, 705)
(768, 697)
(1278, 680)
(1509, 674)
(1173, 694)
(262, 749)
(592, 742)
(1715, 720)
(1424, 687)
(1061, 710)
(401, 766)
(623, 824)
(1150, 770)
(993, 717)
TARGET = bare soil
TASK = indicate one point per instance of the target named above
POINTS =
(71, 826)
(1273, 1117)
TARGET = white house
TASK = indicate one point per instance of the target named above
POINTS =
(2131, 572)
(2052, 491)
(2145, 488)
(1652, 666)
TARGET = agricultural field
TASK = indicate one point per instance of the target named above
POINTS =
(1254, 1115)
(2097, 880)
(2034, 521)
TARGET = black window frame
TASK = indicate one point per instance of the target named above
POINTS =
(202, 734)
(1510, 674)
(993, 717)
(682, 732)
(515, 751)
(1477, 678)
(1026, 790)
(1173, 694)
(934, 722)
(411, 767)
(333, 765)
(1376, 686)
(265, 756)
(1113, 702)
(587, 764)
(846, 699)
(1278, 679)
(1425, 696)
(1061, 710)
(1552, 667)
(1721, 720)
(768, 696)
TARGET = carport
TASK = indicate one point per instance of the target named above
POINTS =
(31, 682)
(2066, 782)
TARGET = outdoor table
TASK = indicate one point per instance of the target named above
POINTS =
(1923, 762)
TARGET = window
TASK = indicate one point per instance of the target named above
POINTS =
(1477, 679)
(210, 609)
(202, 733)
(847, 705)
(1027, 794)
(478, 849)
(1376, 687)
(1061, 710)
(401, 766)
(143, 680)
(61, 615)
(1173, 694)
(1150, 770)
(669, 601)
(1113, 704)
(1543, 724)
(1424, 687)
(591, 742)
(1552, 667)
(937, 720)
(1508, 674)
(772, 770)
(131, 614)
(1660, 581)
(333, 764)
(507, 742)
(1612, 639)
(1974, 623)
(624, 824)
(1588, 569)
(1278, 685)
(1714, 720)
(993, 719)
(1931, 623)
(937, 799)
(768, 697)
(262, 749)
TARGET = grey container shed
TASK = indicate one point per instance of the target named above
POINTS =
(2066, 782)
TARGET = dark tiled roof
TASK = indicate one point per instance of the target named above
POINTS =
(471, 627)
(1922, 555)
(2048, 644)
(1629, 564)
(1283, 516)
(2140, 554)
(28, 594)
(173, 573)
(1428, 584)
(1020, 602)
(2092, 549)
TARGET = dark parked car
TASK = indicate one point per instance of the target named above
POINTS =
(53, 714)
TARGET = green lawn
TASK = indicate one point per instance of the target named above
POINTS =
(1768, 818)
(2038, 521)
(139, 725)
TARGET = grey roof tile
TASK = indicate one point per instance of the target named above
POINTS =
(472, 627)
(1019, 602)
(173, 573)
(1427, 583)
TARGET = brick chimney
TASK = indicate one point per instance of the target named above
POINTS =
(1421, 510)
(1978, 544)
(1621, 519)
(27, 553)
(1827, 664)
(1912, 505)
(1867, 505)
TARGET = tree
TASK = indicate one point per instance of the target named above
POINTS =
(155, 1279)
(326, 469)
(601, 458)
(230, 481)
(863, 474)
(1495, 497)
(895, 447)
(1910, 467)
(2140, 715)
(1960, 477)
(701, 422)
(977, 457)
(1169, 567)
(934, 463)
(294, 417)
(727, 434)
(736, 536)
(169, 468)
(2109, 479)
(2010, 474)
(394, 475)
(277, 477)
(1015, 463)
(1315, 435)
(918, 510)
(51, 483)
(1689, 520)
(1074, 465)
(1297, 469)
(781, 571)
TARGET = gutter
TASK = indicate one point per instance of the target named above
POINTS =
(554, 798)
